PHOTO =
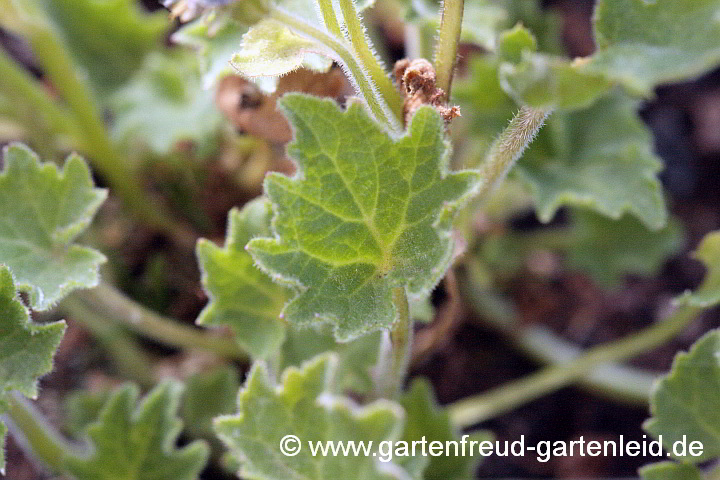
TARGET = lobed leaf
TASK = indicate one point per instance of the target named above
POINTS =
(599, 158)
(139, 443)
(45, 210)
(302, 406)
(364, 214)
(26, 348)
(241, 295)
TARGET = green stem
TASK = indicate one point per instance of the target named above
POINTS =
(361, 44)
(130, 360)
(400, 342)
(478, 408)
(112, 304)
(509, 147)
(447, 43)
(45, 442)
(60, 69)
(25, 89)
(617, 381)
(330, 17)
(376, 103)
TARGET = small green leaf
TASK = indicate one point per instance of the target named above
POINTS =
(304, 407)
(708, 294)
(108, 38)
(270, 49)
(365, 213)
(241, 295)
(164, 103)
(355, 359)
(645, 43)
(82, 408)
(26, 349)
(599, 158)
(45, 209)
(208, 395)
(512, 43)
(139, 444)
(608, 249)
(670, 471)
(427, 421)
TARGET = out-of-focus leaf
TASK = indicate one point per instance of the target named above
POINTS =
(132, 443)
(365, 213)
(108, 38)
(303, 406)
(609, 249)
(44, 210)
(241, 295)
(670, 471)
(708, 294)
(26, 348)
(208, 395)
(600, 158)
(164, 103)
(427, 421)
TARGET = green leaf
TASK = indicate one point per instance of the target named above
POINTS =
(608, 249)
(600, 158)
(512, 43)
(26, 348)
(241, 295)
(82, 408)
(645, 43)
(364, 214)
(708, 294)
(670, 471)
(426, 420)
(45, 209)
(216, 43)
(686, 401)
(270, 49)
(303, 407)
(208, 395)
(108, 38)
(355, 359)
(139, 443)
(164, 103)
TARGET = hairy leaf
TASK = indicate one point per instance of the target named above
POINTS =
(609, 249)
(426, 420)
(164, 103)
(355, 359)
(108, 38)
(599, 158)
(26, 348)
(132, 443)
(44, 210)
(241, 295)
(708, 294)
(302, 406)
(686, 403)
(364, 214)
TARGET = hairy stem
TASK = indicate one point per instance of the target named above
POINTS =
(509, 146)
(361, 44)
(364, 85)
(330, 17)
(447, 43)
(400, 343)
(478, 408)
(112, 304)
(46, 444)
